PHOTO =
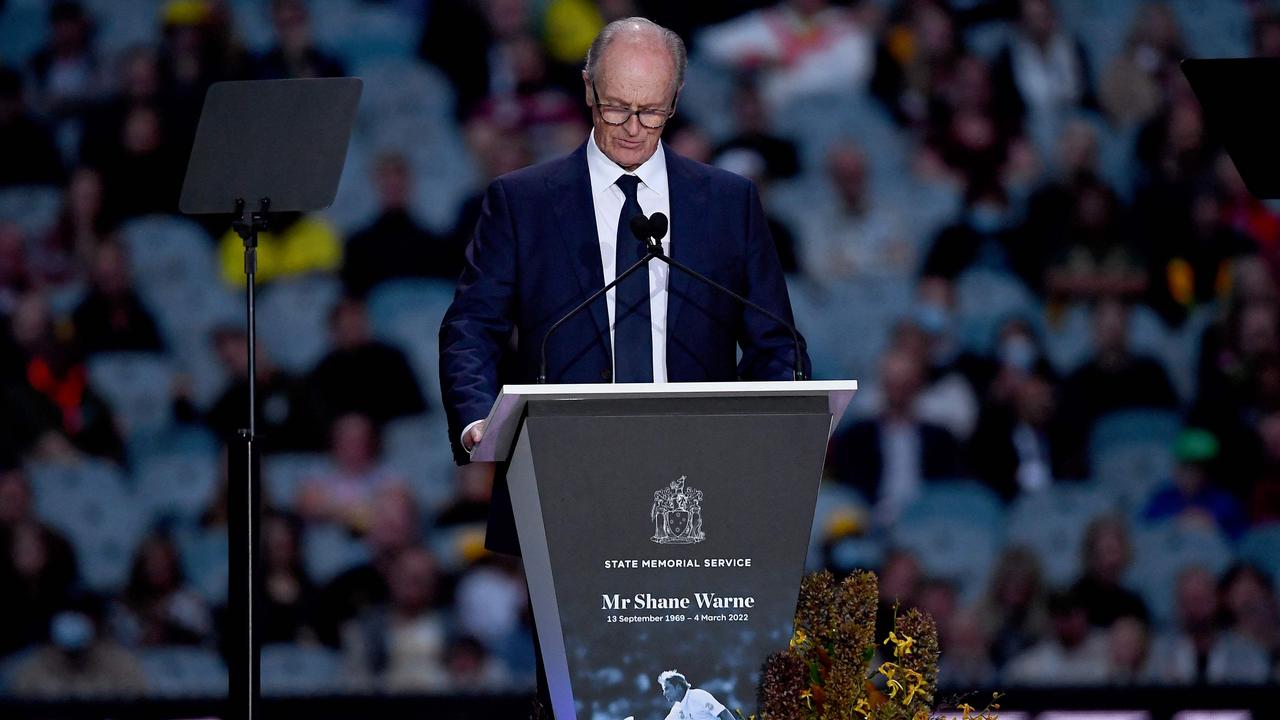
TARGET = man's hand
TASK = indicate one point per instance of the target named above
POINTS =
(471, 438)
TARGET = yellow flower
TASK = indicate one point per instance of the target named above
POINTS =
(894, 687)
(967, 709)
(799, 639)
(888, 669)
(808, 698)
(863, 708)
(902, 646)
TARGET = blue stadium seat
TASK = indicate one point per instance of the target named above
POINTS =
(954, 547)
(34, 208)
(1052, 524)
(167, 252)
(1139, 426)
(1215, 29)
(1261, 546)
(9, 665)
(205, 561)
(293, 319)
(91, 504)
(179, 483)
(407, 313)
(179, 671)
(290, 670)
(328, 549)
(1132, 472)
(284, 473)
(1162, 552)
(419, 448)
(966, 499)
(374, 32)
(985, 299)
(24, 28)
(138, 387)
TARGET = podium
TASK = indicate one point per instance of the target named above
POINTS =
(663, 527)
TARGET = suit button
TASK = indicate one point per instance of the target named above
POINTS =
(606, 375)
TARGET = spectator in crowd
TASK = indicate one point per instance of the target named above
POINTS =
(295, 54)
(457, 38)
(855, 237)
(37, 566)
(288, 413)
(112, 317)
(491, 603)
(1014, 612)
(80, 660)
(61, 399)
(470, 668)
(66, 71)
(1115, 378)
(1197, 651)
(1251, 615)
(15, 271)
(889, 458)
(1264, 502)
(197, 48)
(1043, 73)
(900, 578)
(136, 84)
(946, 398)
(1074, 654)
(394, 530)
(1133, 88)
(1192, 498)
(986, 236)
(1106, 554)
(915, 61)
(967, 660)
(62, 257)
(288, 592)
(345, 495)
(498, 150)
(158, 607)
(31, 157)
(800, 47)
(753, 166)
(1246, 214)
(525, 96)
(294, 246)
(754, 133)
(361, 374)
(395, 245)
(1015, 446)
(400, 646)
(1128, 651)
(471, 505)
(143, 170)
(1094, 257)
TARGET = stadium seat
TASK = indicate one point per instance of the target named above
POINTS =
(24, 28)
(284, 473)
(954, 547)
(1131, 472)
(966, 499)
(168, 252)
(1052, 524)
(34, 208)
(407, 313)
(180, 484)
(1145, 426)
(419, 448)
(1162, 552)
(328, 549)
(292, 669)
(205, 561)
(985, 299)
(293, 319)
(138, 387)
(1261, 546)
(179, 671)
(1215, 29)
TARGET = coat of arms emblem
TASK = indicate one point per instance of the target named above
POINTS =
(677, 514)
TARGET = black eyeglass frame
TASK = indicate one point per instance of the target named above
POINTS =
(667, 114)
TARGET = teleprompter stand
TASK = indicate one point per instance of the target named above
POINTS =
(283, 142)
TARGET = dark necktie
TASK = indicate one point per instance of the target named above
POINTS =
(632, 335)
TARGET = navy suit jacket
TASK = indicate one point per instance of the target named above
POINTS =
(536, 254)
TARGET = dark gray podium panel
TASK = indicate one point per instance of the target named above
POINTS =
(664, 535)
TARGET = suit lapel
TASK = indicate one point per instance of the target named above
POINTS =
(575, 213)
(689, 237)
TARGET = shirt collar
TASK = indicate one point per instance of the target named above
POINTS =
(605, 172)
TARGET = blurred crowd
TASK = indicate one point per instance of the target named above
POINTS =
(1004, 217)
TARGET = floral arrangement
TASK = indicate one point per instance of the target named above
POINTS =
(826, 674)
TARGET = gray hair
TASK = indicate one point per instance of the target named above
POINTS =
(669, 675)
(679, 56)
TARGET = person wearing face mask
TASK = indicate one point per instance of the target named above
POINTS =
(984, 236)
(79, 661)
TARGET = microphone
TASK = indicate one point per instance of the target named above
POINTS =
(652, 229)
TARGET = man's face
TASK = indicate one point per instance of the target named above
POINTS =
(636, 72)
(672, 691)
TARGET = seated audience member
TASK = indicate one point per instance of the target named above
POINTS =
(345, 494)
(1114, 378)
(947, 398)
(900, 578)
(61, 257)
(79, 661)
(65, 71)
(1043, 73)
(1252, 617)
(395, 529)
(361, 374)
(112, 316)
(915, 60)
(854, 236)
(1129, 657)
(754, 133)
(1264, 503)
(801, 47)
(528, 96)
(37, 566)
(289, 418)
(294, 245)
(295, 54)
(471, 505)
(395, 245)
(288, 593)
(1132, 89)
(142, 170)
(1093, 256)
(17, 277)
(967, 661)
(1197, 650)
(1106, 555)
(490, 605)
(60, 400)
(1075, 653)
(889, 458)
(400, 646)
(749, 164)
(1192, 497)
(1015, 447)
(158, 607)
(1013, 613)
(31, 157)
(984, 237)
(471, 668)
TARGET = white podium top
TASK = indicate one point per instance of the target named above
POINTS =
(504, 417)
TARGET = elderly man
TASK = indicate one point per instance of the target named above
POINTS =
(550, 235)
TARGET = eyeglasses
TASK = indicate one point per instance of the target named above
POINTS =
(618, 115)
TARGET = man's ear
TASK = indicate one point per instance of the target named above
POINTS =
(586, 87)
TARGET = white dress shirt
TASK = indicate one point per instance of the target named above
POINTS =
(653, 195)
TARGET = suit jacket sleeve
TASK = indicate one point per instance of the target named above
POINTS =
(477, 327)
(768, 350)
